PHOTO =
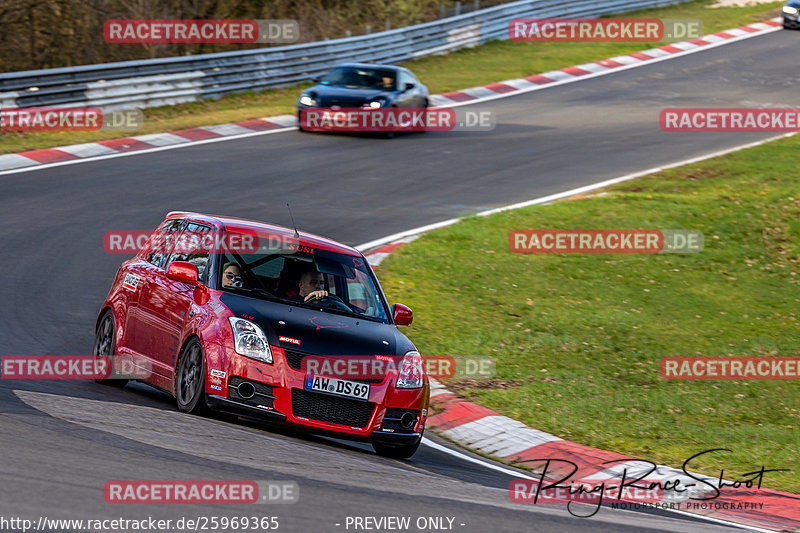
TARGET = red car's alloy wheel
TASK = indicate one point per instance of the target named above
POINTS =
(190, 379)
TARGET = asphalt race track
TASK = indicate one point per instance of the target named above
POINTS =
(61, 441)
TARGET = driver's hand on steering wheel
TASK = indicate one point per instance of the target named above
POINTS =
(316, 295)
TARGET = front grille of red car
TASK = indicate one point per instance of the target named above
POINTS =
(325, 408)
(295, 360)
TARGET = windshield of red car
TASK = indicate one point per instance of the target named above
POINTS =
(319, 279)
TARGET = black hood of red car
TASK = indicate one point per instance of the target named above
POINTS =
(318, 332)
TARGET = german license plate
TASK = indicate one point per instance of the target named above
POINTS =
(339, 387)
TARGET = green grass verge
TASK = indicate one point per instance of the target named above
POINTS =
(578, 337)
(481, 65)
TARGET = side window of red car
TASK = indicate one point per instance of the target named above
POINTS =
(193, 248)
(163, 241)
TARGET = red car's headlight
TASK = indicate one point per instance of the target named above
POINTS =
(249, 340)
(411, 375)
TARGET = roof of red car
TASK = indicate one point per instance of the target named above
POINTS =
(244, 225)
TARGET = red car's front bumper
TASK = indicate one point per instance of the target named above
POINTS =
(277, 392)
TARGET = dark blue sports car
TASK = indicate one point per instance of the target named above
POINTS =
(791, 15)
(366, 86)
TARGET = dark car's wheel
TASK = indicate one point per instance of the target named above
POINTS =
(402, 451)
(190, 379)
(104, 344)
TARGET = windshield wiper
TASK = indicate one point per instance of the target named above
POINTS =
(257, 290)
(336, 311)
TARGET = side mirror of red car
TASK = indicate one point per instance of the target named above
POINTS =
(402, 315)
(183, 271)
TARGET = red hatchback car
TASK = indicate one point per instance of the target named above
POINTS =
(231, 322)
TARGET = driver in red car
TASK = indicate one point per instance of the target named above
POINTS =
(310, 286)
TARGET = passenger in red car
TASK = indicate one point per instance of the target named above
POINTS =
(231, 276)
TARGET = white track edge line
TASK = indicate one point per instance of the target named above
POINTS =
(612, 70)
(557, 196)
(143, 151)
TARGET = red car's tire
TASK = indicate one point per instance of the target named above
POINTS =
(105, 344)
(190, 379)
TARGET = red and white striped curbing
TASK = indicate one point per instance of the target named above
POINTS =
(485, 431)
(111, 147)
(503, 89)
(599, 68)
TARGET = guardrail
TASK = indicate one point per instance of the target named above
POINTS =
(156, 82)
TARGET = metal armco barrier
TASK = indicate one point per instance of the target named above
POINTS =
(157, 82)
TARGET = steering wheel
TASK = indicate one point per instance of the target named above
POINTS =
(333, 302)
